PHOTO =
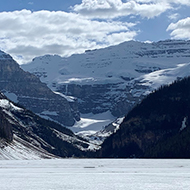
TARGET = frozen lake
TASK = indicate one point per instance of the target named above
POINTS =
(95, 174)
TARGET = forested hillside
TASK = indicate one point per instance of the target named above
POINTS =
(159, 127)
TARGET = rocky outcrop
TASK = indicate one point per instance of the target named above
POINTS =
(30, 92)
(5, 126)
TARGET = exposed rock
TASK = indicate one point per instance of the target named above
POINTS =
(33, 94)
(5, 126)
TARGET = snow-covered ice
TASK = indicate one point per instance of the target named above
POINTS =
(95, 174)
(183, 126)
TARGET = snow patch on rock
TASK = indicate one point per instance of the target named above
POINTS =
(183, 125)
(6, 104)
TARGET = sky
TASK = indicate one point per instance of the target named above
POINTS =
(32, 28)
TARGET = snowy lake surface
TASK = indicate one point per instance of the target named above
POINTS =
(95, 174)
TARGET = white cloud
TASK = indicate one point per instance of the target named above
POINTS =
(25, 34)
(181, 2)
(174, 16)
(181, 29)
(116, 8)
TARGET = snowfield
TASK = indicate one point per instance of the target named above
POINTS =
(92, 123)
(95, 174)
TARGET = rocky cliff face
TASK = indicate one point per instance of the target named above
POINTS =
(99, 98)
(5, 127)
(27, 90)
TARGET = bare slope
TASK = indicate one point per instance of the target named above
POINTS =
(24, 135)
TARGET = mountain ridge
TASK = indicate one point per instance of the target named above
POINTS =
(27, 90)
(115, 78)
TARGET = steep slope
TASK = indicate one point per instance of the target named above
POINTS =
(25, 135)
(27, 90)
(114, 79)
(22, 150)
(159, 127)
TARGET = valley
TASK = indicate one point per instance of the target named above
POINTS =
(77, 103)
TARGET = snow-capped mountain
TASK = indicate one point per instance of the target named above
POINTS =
(24, 135)
(26, 89)
(114, 79)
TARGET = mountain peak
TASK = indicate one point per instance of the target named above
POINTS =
(4, 56)
(30, 92)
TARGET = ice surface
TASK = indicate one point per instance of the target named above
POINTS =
(95, 174)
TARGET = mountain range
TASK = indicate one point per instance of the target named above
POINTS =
(90, 94)
(111, 81)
